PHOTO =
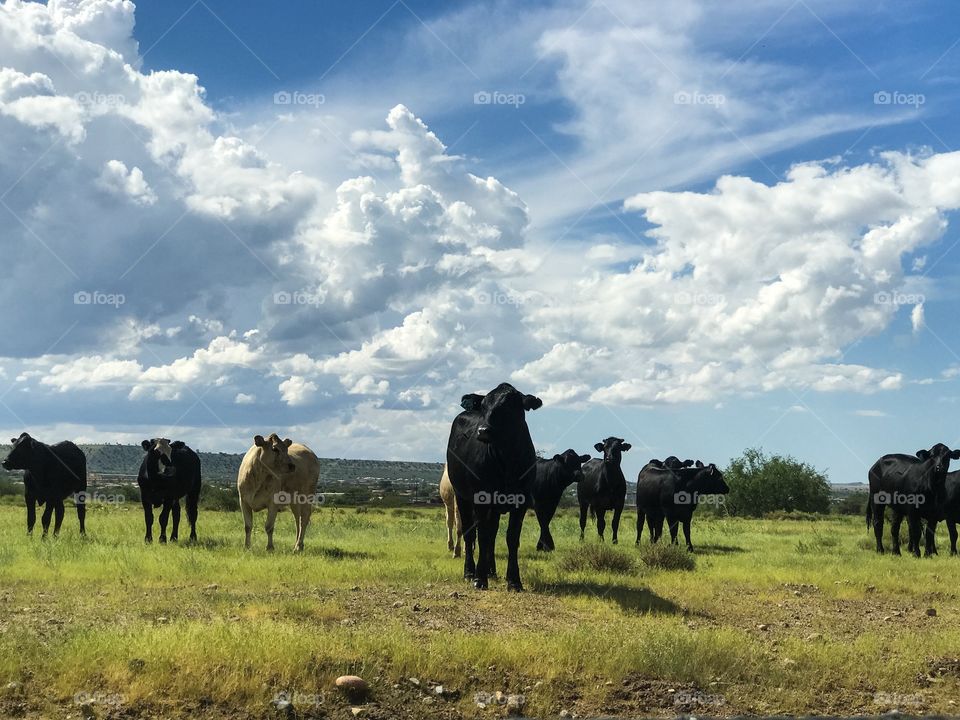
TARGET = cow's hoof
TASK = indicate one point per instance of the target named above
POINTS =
(953, 552)
(480, 584)
(896, 551)
(148, 540)
(456, 553)
(514, 587)
(689, 548)
(614, 541)
(163, 540)
(173, 539)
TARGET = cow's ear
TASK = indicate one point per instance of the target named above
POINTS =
(955, 455)
(146, 444)
(699, 464)
(625, 446)
(598, 447)
(923, 454)
(584, 458)
(288, 442)
(532, 402)
(178, 444)
(558, 458)
(259, 441)
(712, 467)
(13, 441)
(688, 463)
(471, 401)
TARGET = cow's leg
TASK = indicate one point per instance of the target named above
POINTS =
(81, 503)
(494, 531)
(930, 546)
(270, 524)
(514, 526)
(449, 519)
(193, 506)
(303, 520)
(878, 512)
(615, 525)
(674, 526)
(545, 542)
(952, 530)
(31, 502)
(175, 533)
(164, 516)
(895, 523)
(459, 525)
(915, 529)
(148, 520)
(641, 516)
(583, 518)
(601, 523)
(45, 518)
(247, 523)
(654, 527)
(686, 534)
(58, 511)
(469, 519)
(484, 528)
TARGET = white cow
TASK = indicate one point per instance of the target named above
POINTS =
(276, 474)
(453, 513)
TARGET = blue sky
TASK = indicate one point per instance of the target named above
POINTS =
(677, 224)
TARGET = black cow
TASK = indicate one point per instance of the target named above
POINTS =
(51, 474)
(672, 490)
(949, 511)
(169, 471)
(912, 486)
(492, 463)
(554, 476)
(603, 486)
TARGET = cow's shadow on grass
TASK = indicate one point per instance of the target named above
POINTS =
(337, 553)
(630, 598)
(718, 549)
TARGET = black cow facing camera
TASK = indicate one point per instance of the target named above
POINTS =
(603, 486)
(51, 473)
(169, 471)
(912, 486)
(553, 477)
(492, 463)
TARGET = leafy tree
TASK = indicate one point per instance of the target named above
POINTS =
(760, 484)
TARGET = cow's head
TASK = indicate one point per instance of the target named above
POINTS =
(273, 454)
(612, 448)
(21, 453)
(675, 463)
(501, 410)
(941, 456)
(571, 463)
(159, 457)
(709, 480)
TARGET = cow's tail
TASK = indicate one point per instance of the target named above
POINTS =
(869, 510)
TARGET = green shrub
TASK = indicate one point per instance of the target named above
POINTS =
(214, 497)
(761, 484)
(598, 557)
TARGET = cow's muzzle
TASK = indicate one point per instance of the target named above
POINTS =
(484, 434)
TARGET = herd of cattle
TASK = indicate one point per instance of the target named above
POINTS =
(491, 470)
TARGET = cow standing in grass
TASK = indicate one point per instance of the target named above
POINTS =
(454, 524)
(603, 486)
(276, 474)
(913, 486)
(949, 510)
(51, 474)
(169, 471)
(672, 490)
(491, 462)
(553, 477)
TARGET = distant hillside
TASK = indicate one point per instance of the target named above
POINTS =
(221, 468)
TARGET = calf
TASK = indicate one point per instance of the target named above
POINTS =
(169, 471)
(553, 477)
(912, 486)
(949, 511)
(276, 474)
(51, 474)
(603, 486)
(492, 463)
(673, 491)
(449, 498)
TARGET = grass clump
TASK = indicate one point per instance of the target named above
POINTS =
(598, 558)
(664, 556)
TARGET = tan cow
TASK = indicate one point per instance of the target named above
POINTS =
(453, 514)
(276, 474)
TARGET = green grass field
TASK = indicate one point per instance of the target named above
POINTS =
(780, 616)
